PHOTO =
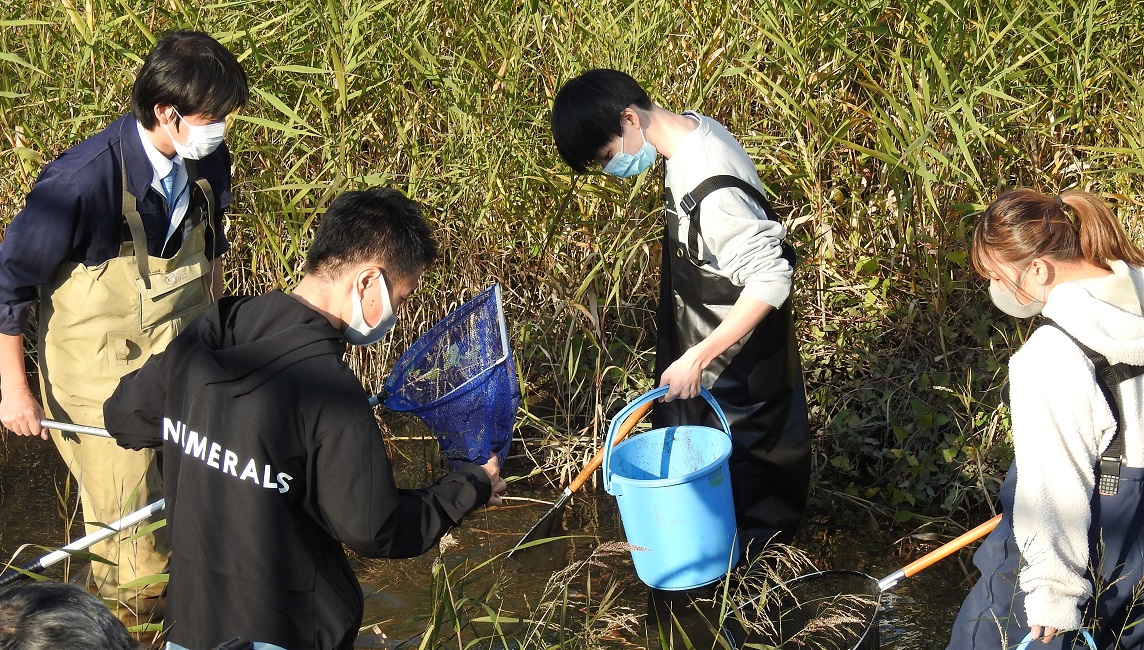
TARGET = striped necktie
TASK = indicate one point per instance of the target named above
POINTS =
(169, 189)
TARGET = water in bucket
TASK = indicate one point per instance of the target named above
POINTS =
(673, 489)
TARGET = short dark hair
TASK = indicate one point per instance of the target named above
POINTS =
(586, 113)
(192, 72)
(47, 615)
(379, 224)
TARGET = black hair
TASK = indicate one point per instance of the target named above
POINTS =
(379, 224)
(192, 72)
(48, 615)
(586, 113)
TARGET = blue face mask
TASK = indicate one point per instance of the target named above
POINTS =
(625, 165)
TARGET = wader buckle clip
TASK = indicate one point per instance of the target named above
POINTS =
(688, 204)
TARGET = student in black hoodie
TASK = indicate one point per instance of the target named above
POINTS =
(272, 457)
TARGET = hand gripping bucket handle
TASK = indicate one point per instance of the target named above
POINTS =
(622, 417)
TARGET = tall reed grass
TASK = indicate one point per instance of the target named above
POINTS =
(879, 126)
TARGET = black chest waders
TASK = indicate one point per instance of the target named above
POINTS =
(757, 381)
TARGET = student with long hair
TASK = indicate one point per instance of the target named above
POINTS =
(1068, 553)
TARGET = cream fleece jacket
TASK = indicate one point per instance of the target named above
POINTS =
(738, 240)
(1061, 424)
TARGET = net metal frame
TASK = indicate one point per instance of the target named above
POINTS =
(827, 610)
(460, 380)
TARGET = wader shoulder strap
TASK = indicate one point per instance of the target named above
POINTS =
(1108, 377)
(204, 186)
(134, 221)
(691, 202)
(208, 198)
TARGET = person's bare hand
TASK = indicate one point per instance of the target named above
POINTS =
(492, 468)
(682, 377)
(1043, 632)
(21, 413)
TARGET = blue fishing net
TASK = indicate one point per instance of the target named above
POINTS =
(460, 380)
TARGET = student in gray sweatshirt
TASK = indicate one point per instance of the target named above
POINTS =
(724, 317)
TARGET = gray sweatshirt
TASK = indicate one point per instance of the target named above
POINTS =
(738, 240)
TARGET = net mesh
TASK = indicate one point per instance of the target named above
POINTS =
(830, 610)
(460, 380)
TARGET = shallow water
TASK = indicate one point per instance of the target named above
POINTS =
(918, 612)
(33, 494)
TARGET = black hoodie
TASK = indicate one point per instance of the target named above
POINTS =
(272, 459)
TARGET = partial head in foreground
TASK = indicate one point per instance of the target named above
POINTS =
(50, 615)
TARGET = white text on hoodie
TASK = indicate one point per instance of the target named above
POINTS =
(198, 446)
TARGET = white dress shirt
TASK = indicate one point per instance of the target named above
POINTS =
(162, 166)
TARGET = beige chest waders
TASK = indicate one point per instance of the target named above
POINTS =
(97, 324)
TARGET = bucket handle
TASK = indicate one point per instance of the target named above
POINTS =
(1085, 634)
(622, 416)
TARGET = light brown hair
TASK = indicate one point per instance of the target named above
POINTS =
(1023, 224)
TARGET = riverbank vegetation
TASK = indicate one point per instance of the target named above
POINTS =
(881, 128)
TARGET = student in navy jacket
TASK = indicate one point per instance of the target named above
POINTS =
(119, 244)
(271, 452)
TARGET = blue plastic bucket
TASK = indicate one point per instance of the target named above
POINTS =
(673, 487)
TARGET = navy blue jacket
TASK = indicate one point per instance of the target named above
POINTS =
(74, 213)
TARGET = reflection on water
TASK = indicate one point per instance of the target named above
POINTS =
(400, 593)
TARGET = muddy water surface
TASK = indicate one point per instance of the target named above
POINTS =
(401, 593)
(34, 498)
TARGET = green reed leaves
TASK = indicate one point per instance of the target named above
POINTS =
(880, 128)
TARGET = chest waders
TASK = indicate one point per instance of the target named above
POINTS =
(757, 381)
(96, 324)
(993, 614)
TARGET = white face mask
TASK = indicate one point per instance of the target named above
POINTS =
(1007, 301)
(202, 140)
(359, 332)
